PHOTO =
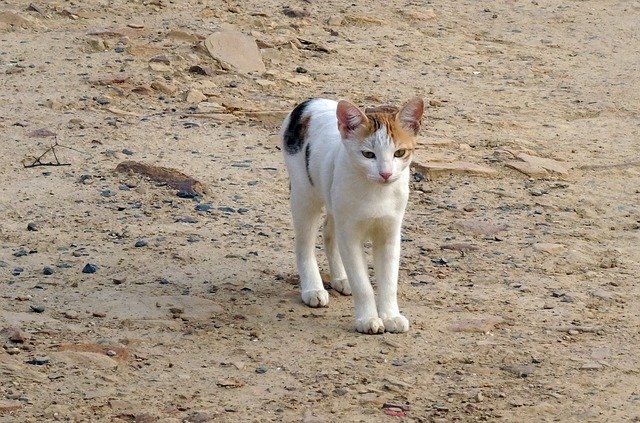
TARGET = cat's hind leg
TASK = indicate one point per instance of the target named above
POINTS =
(307, 211)
(339, 280)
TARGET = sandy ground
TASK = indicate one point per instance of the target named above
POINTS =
(522, 288)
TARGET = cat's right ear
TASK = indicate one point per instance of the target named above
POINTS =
(349, 117)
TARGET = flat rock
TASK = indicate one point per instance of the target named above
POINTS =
(435, 169)
(538, 167)
(171, 177)
(16, 21)
(235, 51)
(195, 96)
(82, 359)
(549, 247)
(479, 227)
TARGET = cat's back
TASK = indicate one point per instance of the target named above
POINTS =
(313, 117)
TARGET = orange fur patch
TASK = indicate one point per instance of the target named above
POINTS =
(387, 116)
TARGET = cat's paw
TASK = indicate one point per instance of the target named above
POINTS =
(397, 324)
(371, 325)
(342, 286)
(315, 298)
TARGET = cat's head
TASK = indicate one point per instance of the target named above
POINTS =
(380, 141)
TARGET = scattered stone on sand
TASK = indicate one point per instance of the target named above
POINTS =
(32, 227)
(37, 308)
(235, 51)
(435, 169)
(14, 334)
(140, 243)
(171, 177)
(520, 370)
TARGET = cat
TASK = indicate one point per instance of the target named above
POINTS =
(356, 165)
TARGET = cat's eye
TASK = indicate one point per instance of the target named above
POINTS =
(369, 154)
(400, 153)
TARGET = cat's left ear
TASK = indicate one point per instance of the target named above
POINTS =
(411, 113)
(349, 118)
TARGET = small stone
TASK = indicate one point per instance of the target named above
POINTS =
(186, 194)
(141, 243)
(164, 87)
(195, 96)
(203, 207)
(99, 314)
(520, 370)
(70, 314)
(198, 417)
(187, 219)
(17, 271)
(37, 308)
(127, 152)
(48, 270)
(103, 101)
(89, 268)
(15, 335)
(32, 227)
(300, 69)
(261, 370)
(107, 193)
(38, 361)
(435, 103)
(20, 253)
(119, 49)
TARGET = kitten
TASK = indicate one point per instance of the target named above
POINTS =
(356, 165)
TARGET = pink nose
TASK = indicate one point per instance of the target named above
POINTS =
(385, 175)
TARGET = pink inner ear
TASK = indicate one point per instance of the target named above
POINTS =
(349, 117)
(411, 114)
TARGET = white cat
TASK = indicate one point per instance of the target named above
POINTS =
(356, 165)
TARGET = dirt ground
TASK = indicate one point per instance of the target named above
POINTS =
(520, 259)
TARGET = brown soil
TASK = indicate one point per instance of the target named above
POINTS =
(521, 288)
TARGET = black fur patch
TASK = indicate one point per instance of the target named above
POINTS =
(296, 131)
(307, 154)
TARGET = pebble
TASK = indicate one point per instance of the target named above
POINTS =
(203, 207)
(141, 243)
(20, 253)
(187, 194)
(89, 268)
(103, 101)
(37, 308)
(127, 152)
(48, 270)
(198, 417)
(300, 69)
(243, 210)
(187, 219)
(70, 314)
(17, 271)
(261, 370)
(227, 210)
(119, 49)
(38, 361)
(107, 193)
(32, 227)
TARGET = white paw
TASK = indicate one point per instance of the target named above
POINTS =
(342, 286)
(397, 324)
(371, 325)
(315, 298)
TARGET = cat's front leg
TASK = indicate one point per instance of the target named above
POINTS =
(350, 243)
(386, 263)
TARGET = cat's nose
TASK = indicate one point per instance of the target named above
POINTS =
(385, 175)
